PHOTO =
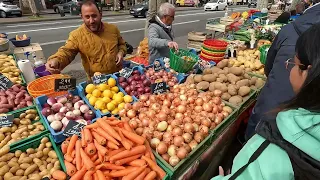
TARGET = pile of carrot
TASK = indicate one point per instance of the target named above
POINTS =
(109, 149)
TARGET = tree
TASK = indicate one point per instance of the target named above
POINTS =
(262, 4)
(33, 8)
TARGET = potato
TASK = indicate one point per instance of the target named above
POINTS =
(253, 80)
(44, 172)
(48, 145)
(6, 157)
(243, 82)
(4, 169)
(207, 71)
(8, 175)
(14, 169)
(18, 153)
(20, 172)
(5, 129)
(232, 90)
(30, 151)
(211, 87)
(49, 166)
(46, 151)
(190, 79)
(232, 78)
(4, 150)
(223, 63)
(197, 78)
(236, 100)
(39, 154)
(227, 109)
(31, 111)
(259, 83)
(226, 96)
(209, 77)
(203, 85)
(35, 177)
(2, 164)
(223, 88)
(238, 71)
(30, 169)
(215, 69)
(24, 166)
(27, 160)
(222, 78)
(244, 90)
(12, 164)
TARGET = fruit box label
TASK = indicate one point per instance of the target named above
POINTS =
(159, 88)
(6, 120)
(5, 83)
(65, 84)
(72, 128)
(157, 66)
(126, 72)
(101, 78)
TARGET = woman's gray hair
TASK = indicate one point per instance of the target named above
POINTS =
(165, 9)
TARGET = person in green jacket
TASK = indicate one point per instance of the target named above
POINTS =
(286, 145)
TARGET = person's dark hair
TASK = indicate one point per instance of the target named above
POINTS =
(283, 18)
(315, 1)
(89, 3)
(307, 51)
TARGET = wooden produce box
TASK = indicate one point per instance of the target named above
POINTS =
(194, 45)
(33, 47)
(226, 20)
(217, 27)
(198, 36)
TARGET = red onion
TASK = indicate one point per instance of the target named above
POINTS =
(78, 104)
(88, 115)
(51, 101)
(84, 108)
(56, 107)
(46, 111)
(62, 99)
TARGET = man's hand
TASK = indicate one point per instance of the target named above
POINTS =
(173, 45)
(53, 66)
(119, 58)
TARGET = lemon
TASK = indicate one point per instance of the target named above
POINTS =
(111, 106)
(88, 96)
(106, 99)
(115, 111)
(100, 104)
(107, 93)
(127, 99)
(96, 93)
(104, 111)
(103, 87)
(92, 100)
(120, 93)
(112, 82)
(90, 88)
(121, 106)
(118, 99)
(115, 89)
(114, 102)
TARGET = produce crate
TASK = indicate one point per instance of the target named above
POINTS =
(23, 83)
(247, 101)
(34, 143)
(264, 78)
(178, 76)
(181, 65)
(263, 53)
(58, 136)
(81, 89)
(17, 114)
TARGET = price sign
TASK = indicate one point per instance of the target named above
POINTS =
(45, 178)
(6, 120)
(157, 66)
(72, 128)
(65, 84)
(101, 78)
(158, 88)
(5, 83)
(126, 72)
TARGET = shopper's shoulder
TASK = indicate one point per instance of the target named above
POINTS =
(78, 32)
(110, 27)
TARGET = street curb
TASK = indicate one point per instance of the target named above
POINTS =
(77, 17)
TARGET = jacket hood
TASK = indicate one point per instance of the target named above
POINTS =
(311, 16)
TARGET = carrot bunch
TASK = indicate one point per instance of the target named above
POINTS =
(109, 149)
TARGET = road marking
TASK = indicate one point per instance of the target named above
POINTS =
(122, 32)
(115, 22)
(35, 24)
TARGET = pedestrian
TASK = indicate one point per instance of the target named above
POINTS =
(286, 144)
(277, 89)
(154, 6)
(160, 34)
(100, 45)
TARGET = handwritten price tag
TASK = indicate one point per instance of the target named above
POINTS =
(157, 66)
(65, 84)
(159, 88)
(6, 120)
(5, 83)
(126, 72)
(72, 128)
(101, 78)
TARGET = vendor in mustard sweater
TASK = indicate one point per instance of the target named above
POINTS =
(100, 45)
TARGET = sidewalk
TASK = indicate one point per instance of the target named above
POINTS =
(49, 15)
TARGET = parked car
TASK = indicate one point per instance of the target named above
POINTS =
(185, 3)
(252, 4)
(140, 9)
(66, 5)
(9, 9)
(216, 5)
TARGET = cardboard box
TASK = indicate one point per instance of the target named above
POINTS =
(33, 47)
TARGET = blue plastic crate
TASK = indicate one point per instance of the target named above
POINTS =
(139, 68)
(81, 87)
(58, 136)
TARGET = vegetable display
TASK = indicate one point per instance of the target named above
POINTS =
(8, 67)
(14, 98)
(107, 97)
(231, 84)
(162, 75)
(34, 164)
(60, 110)
(109, 149)
(23, 127)
(176, 122)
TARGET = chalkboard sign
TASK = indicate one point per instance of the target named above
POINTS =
(5, 83)
(126, 72)
(102, 78)
(157, 66)
(65, 84)
(72, 128)
(6, 120)
(158, 88)
(45, 178)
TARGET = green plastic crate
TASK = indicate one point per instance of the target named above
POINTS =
(247, 101)
(34, 143)
(263, 53)
(180, 65)
(264, 78)
(17, 114)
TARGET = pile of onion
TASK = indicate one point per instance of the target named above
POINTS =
(162, 75)
(176, 122)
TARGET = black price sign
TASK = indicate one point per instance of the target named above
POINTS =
(45, 178)
(5, 83)
(72, 128)
(65, 84)
(157, 66)
(126, 72)
(159, 87)
(101, 78)
(6, 120)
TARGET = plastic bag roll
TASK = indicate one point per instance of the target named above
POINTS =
(27, 70)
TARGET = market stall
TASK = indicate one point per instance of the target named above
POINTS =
(147, 121)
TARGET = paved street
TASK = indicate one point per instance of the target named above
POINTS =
(52, 34)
